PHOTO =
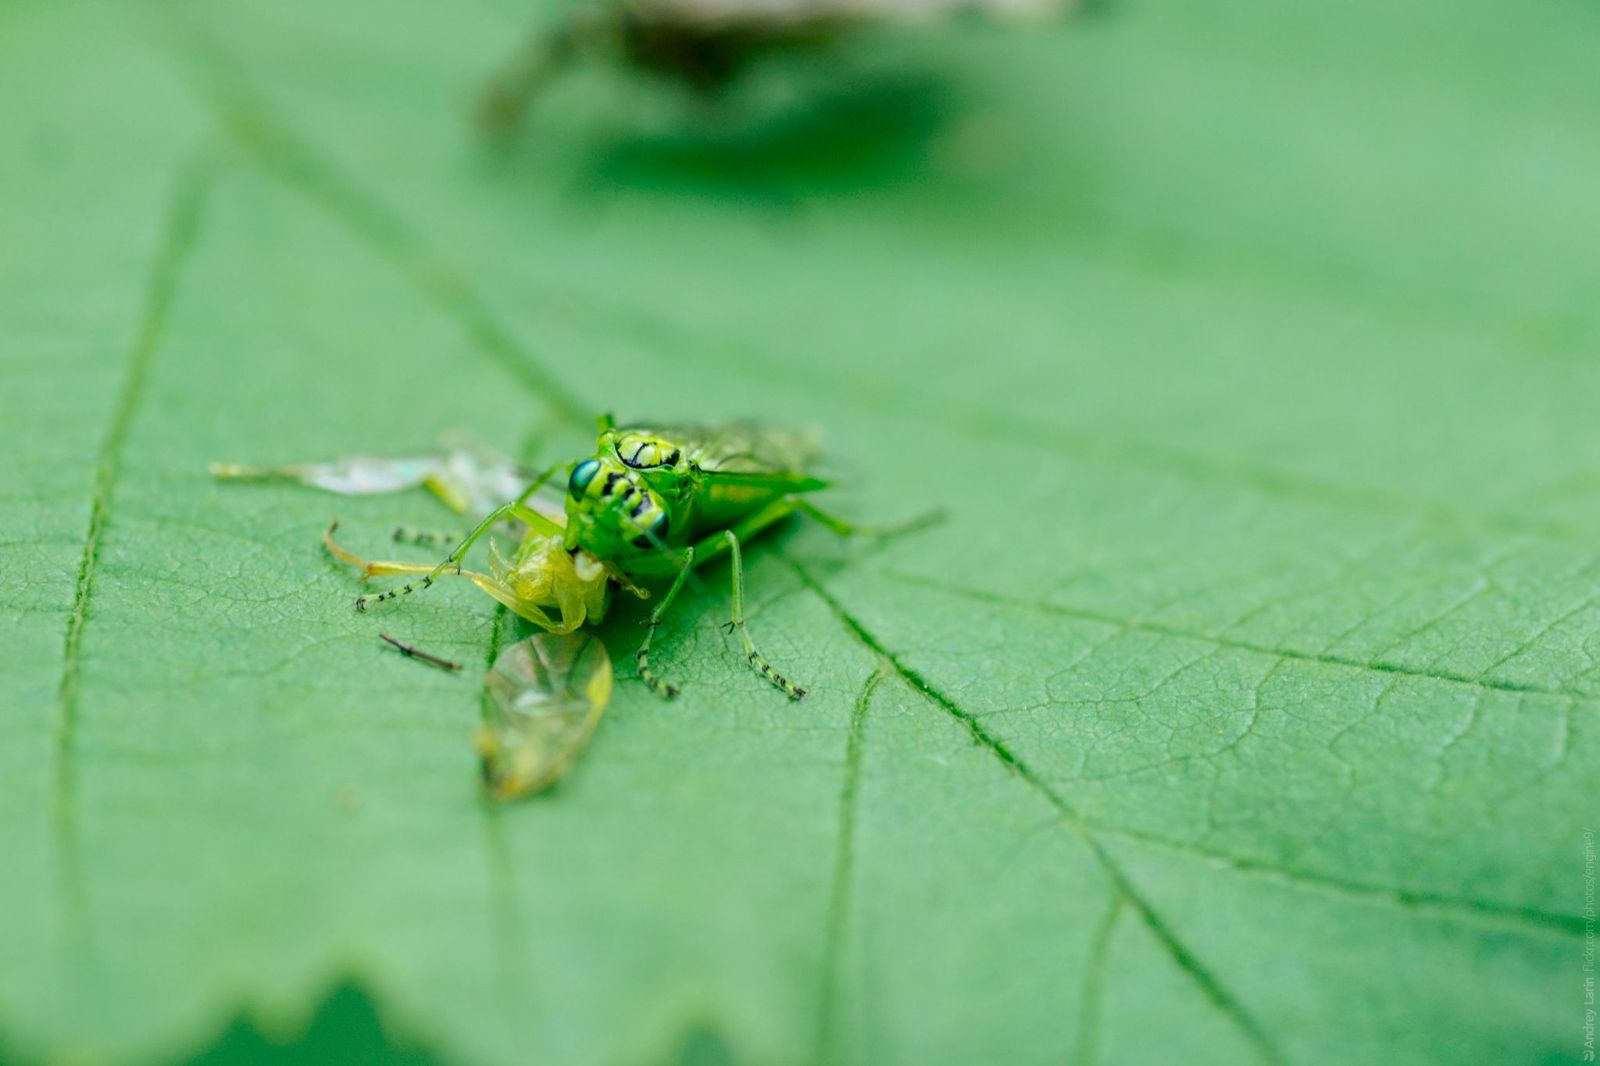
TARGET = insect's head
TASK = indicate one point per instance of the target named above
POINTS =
(611, 511)
(640, 450)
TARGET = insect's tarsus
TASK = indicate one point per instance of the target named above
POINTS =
(641, 660)
(389, 594)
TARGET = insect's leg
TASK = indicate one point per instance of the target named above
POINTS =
(376, 567)
(432, 538)
(411, 652)
(715, 545)
(757, 661)
(641, 658)
(539, 482)
(517, 510)
(851, 529)
(623, 581)
(451, 561)
(487, 582)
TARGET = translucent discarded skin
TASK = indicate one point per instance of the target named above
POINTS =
(549, 692)
(469, 477)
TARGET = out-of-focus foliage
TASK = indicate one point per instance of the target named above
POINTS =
(1243, 709)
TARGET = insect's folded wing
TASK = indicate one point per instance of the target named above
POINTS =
(767, 482)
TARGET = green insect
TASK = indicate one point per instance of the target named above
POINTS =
(650, 505)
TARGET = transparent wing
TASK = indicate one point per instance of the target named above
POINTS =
(549, 692)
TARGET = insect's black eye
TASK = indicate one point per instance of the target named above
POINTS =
(582, 474)
(657, 534)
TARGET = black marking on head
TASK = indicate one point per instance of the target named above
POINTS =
(582, 474)
(635, 460)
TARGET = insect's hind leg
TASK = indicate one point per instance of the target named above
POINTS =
(757, 661)
(851, 529)
(712, 547)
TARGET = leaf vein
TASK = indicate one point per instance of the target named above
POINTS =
(1118, 878)
(292, 158)
(179, 233)
(1371, 666)
(1456, 908)
(843, 868)
(1087, 1046)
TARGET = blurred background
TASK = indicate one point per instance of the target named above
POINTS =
(1250, 347)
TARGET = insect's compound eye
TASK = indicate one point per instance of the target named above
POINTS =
(657, 534)
(582, 474)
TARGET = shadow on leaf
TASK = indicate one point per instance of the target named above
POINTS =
(869, 134)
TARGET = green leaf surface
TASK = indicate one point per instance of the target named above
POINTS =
(1243, 709)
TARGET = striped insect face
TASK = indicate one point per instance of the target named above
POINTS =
(611, 511)
(644, 451)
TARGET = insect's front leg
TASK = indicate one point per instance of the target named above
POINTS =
(389, 567)
(489, 583)
(517, 509)
(641, 658)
